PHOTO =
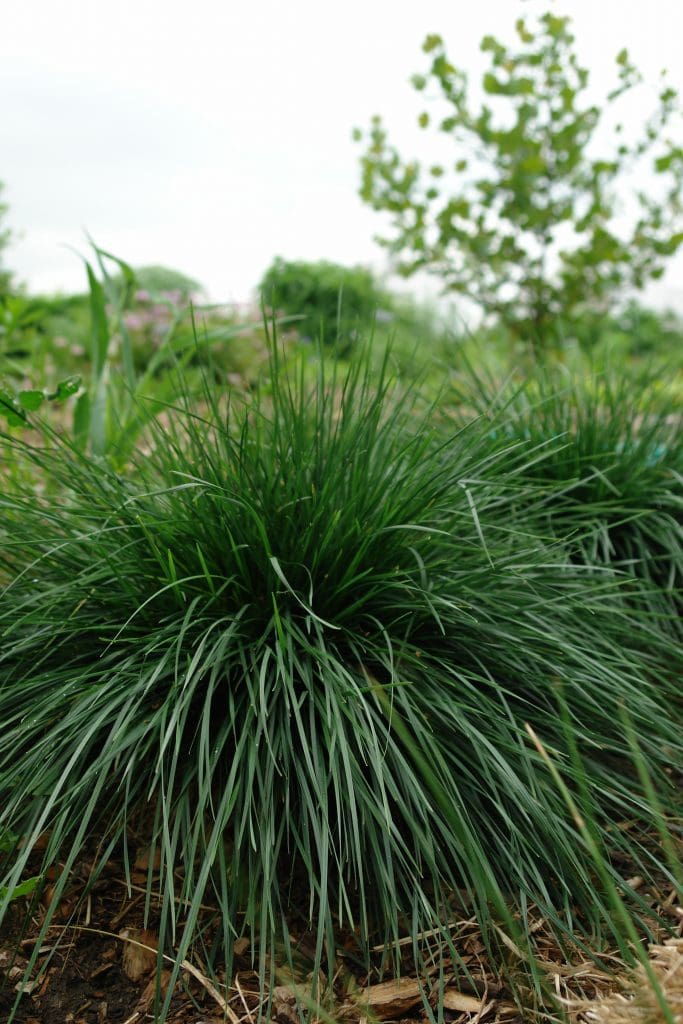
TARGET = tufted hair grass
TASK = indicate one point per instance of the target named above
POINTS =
(612, 473)
(295, 644)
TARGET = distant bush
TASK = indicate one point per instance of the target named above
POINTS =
(332, 300)
(163, 280)
(152, 283)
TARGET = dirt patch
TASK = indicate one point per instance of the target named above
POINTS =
(99, 964)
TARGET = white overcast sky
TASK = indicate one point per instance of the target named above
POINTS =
(212, 135)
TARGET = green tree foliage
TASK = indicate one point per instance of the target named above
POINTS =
(523, 219)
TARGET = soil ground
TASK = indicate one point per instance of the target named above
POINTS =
(93, 968)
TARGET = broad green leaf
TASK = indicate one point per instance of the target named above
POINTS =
(30, 400)
(432, 42)
(25, 888)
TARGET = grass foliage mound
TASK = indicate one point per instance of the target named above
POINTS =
(612, 472)
(295, 645)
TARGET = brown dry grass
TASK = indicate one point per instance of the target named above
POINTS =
(636, 1002)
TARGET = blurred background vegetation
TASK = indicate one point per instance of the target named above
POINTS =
(524, 218)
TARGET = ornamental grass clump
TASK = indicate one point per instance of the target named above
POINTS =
(294, 647)
(612, 473)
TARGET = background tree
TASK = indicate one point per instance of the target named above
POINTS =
(528, 229)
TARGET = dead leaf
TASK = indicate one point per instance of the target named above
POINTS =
(25, 987)
(143, 856)
(48, 896)
(150, 990)
(139, 952)
(285, 998)
(40, 845)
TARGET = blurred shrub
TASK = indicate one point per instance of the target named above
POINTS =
(333, 301)
(159, 280)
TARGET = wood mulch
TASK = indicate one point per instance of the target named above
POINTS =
(98, 965)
